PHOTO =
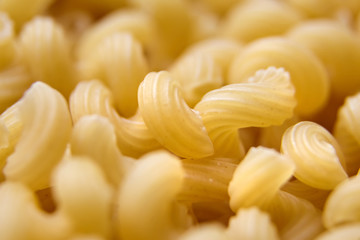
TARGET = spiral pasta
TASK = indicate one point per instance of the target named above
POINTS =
(307, 73)
(7, 43)
(172, 122)
(266, 99)
(318, 158)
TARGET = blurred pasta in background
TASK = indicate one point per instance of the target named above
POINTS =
(180, 119)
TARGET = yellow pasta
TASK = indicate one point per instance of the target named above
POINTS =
(119, 62)
(210, 231)
(133, 136)
(83, 196)
(257, 19)
(247, 223)
(314, 8)
(149, 191)
(306, 71)
(339, 50)
(170, 120)
(266, 99)
(318, 158)
(342, 205)
(346, 132)
(262, 169)
(7, 43)
(46, 52)
(46, 128)
(349, 232)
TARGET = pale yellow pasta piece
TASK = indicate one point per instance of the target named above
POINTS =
(14, 81)
(250, 224)
(219, 7)
(46, 52)
(86, 237)
(94, 136)
(83, 195)
(7, 40)
(208, 231)
(314, 8)
(20, 217)
(296, 218)
(347, 132)
(257, 19)
(133, 136)
(147, 197)
(258, 178)
(337, 47)
(266, 99)
(318, 158)
(136, 22)
(120, 63)
(348, 232)
(46, 128)
(342, 205)
(21, 11)
(176, 126)
(196, 74)
(207, 179)
(307, 73)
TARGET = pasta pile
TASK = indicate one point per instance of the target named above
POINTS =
(179, 120)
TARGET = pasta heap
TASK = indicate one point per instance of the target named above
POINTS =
(179, 120)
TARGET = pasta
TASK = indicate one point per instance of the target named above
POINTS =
(351, 232)
(7, 44)
(210, 231)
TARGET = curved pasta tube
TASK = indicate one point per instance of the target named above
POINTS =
(263, 19)
(318, 158)
(46, 52)
(14, 81)
(46, 129)
(349, 231)
(206, 179)
(196, 74)
(7, 43)
(176, 126)
(20, 217)
(136, 22)
(119, 62)
(147, 196)
(133, 136)
(347, 132)
(307, 73)
(258, 178)
(266, 99)
(94, 136)
(337, 47)
(342, 204)
(247, 223)
(83, 195)
(208, 231)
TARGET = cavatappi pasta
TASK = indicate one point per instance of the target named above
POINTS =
(179, 120)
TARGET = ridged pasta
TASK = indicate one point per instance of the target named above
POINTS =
(338, 49)
(258, 178)
(46, 129)
(196, 74)
(318, 158)
(348, 232)
(208, 231)
(347, 132)
(14, 81)
(342, 206)
(133, 136)
(83, 195)
(7, 40)
(21, 11)
(176, 126)
(266, 99)
(257, 19)
(20, 217)
(307, 73)
(149, 191)
(120, 63)
(94, 136)
(46, 52)
(247, 223)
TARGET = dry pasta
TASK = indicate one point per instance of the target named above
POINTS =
(210, 231)
(349, 231)
(7, 43)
